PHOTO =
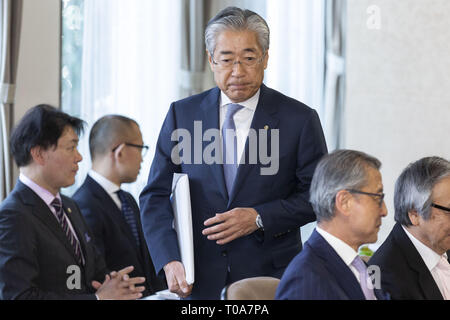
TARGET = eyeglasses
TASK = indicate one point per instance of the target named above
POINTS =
(434, 205)
(144, 148)
(378, 195)
(246, 62)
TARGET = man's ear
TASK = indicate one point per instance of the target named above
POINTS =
(414, 217)
(343, 202)
(117, 154)
(210, 60)
(266, 60)
(38, 155)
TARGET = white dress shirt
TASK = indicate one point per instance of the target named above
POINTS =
(429, 257)
(110, 187)
(344, 251)
(242, 119)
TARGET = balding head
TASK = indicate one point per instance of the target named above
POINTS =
(108, 132)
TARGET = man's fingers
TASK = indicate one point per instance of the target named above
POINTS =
(215, 229)
(132, 296)
(125, 271)
(132, 282)
(218, 218)
(226, 240)
(96, 285)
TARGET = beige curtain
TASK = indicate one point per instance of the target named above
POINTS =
(10, 25)
(335, 42)
(194, 18)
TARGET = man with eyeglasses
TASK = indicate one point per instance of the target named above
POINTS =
(347, 197)
(117, 150)
(245, 224)
(414, 259)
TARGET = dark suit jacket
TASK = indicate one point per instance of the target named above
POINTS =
(113, 236)
(318, 273)
(280, 199)
(35, 253)
(403, 272)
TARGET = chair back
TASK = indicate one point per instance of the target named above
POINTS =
(258, 288)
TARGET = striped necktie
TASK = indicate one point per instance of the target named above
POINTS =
(62, 219)
(129, 215)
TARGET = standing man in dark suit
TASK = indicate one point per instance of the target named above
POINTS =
(46, 249)
(117, 149)
(250, 153)
(414, 259)
(347, 197)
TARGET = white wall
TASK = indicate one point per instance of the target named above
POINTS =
(38, 69)
(39, 58)
(398, 86)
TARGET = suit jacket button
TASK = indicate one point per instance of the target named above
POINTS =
(224, 253)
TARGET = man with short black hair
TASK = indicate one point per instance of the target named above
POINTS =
(414, 258)
(117, 149)
(46, 249)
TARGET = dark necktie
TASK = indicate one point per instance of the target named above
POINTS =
(62, 219)
(129, 215)
(229, 146)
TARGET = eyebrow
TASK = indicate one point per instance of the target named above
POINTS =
(231, 52)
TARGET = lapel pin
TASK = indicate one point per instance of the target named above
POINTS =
(266, 127)
(69, 210)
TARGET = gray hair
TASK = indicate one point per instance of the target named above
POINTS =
(233, 18)
(414, 186)
(339, 170)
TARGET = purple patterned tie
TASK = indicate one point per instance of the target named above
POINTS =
(62, 219)
(229, 140)
(364, 278)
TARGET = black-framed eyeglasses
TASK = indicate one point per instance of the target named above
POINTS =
(144, 148)
(434, 205)
(378, 195)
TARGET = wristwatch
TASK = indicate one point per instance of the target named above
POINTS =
(259, 222)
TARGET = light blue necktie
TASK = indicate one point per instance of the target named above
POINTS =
(363, 278)
(229, 154)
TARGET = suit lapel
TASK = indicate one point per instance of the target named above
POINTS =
(336, 267)
(43, 213)
(110, 207)
(211, 118)
(77, 223)
(429, 288)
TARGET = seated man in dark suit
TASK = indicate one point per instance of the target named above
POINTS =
(117, 149)
(46, 249)
(347, 196)
(414, 259)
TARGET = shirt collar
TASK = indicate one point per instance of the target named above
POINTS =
(109, 186)
(429, 256)
(42, 193)
(250, 103)
(344, 251)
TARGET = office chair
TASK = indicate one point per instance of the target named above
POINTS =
(258, 288)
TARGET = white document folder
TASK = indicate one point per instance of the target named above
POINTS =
(182, 212)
